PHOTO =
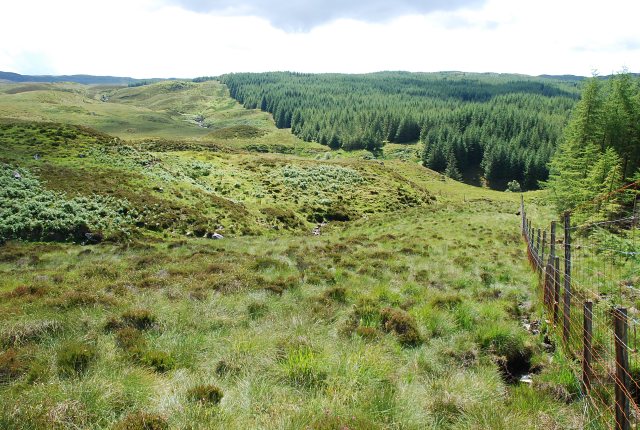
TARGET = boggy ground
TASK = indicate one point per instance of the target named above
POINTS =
(403, 321)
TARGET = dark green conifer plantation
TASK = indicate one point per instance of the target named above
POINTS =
(600, 150)
(505, 127)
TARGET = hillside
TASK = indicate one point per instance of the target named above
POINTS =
(79, 79)
(483, 128)
(348, 291)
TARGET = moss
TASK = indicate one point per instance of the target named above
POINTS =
(205, 394)
(73, 358)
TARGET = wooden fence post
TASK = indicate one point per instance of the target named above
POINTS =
(622, 369)
(556, 290)
(544, 245)
(552, 242)
(522, 212)
(587, 334)
(567, 280)
(538, 265)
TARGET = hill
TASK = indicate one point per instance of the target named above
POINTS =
(79, 79)
(485, 128)
(347, 291)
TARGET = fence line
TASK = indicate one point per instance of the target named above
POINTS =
(588, 278)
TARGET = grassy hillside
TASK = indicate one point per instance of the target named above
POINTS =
(407, 310)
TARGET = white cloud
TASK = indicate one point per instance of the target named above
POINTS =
(143, 38)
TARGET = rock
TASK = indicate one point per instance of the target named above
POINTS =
(526, 379)
(17, 175)
(82, 156)
(36, 157)
(217, 236)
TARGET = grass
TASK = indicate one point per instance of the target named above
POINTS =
(405, 316)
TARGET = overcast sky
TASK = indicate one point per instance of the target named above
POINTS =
(188, 38)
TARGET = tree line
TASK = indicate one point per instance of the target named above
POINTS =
(499, 127)
(600, 149)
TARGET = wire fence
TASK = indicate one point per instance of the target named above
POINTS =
(590, 290)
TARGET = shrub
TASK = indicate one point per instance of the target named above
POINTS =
(158, 360)
(402, 324)
(142, 421)
(141, 319)
(205, 394)
(11, 366)
(29, 211)
(74, 357)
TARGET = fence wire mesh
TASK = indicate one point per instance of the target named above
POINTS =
(589, 274)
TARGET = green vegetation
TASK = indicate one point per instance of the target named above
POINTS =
(403, 309)
(601, 148)
(502, 127)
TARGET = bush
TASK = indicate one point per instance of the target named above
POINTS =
(402, 324)
(514, 186)
(30, 212)
(74, 357)
(205, 394)
(142, 421)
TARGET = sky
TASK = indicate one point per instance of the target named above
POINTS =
(189, 38)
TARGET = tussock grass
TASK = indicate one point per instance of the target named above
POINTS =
(406, 316)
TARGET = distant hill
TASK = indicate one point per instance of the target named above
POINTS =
(80, 79)
(574, 78)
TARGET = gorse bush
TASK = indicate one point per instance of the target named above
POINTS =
(30, 212)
